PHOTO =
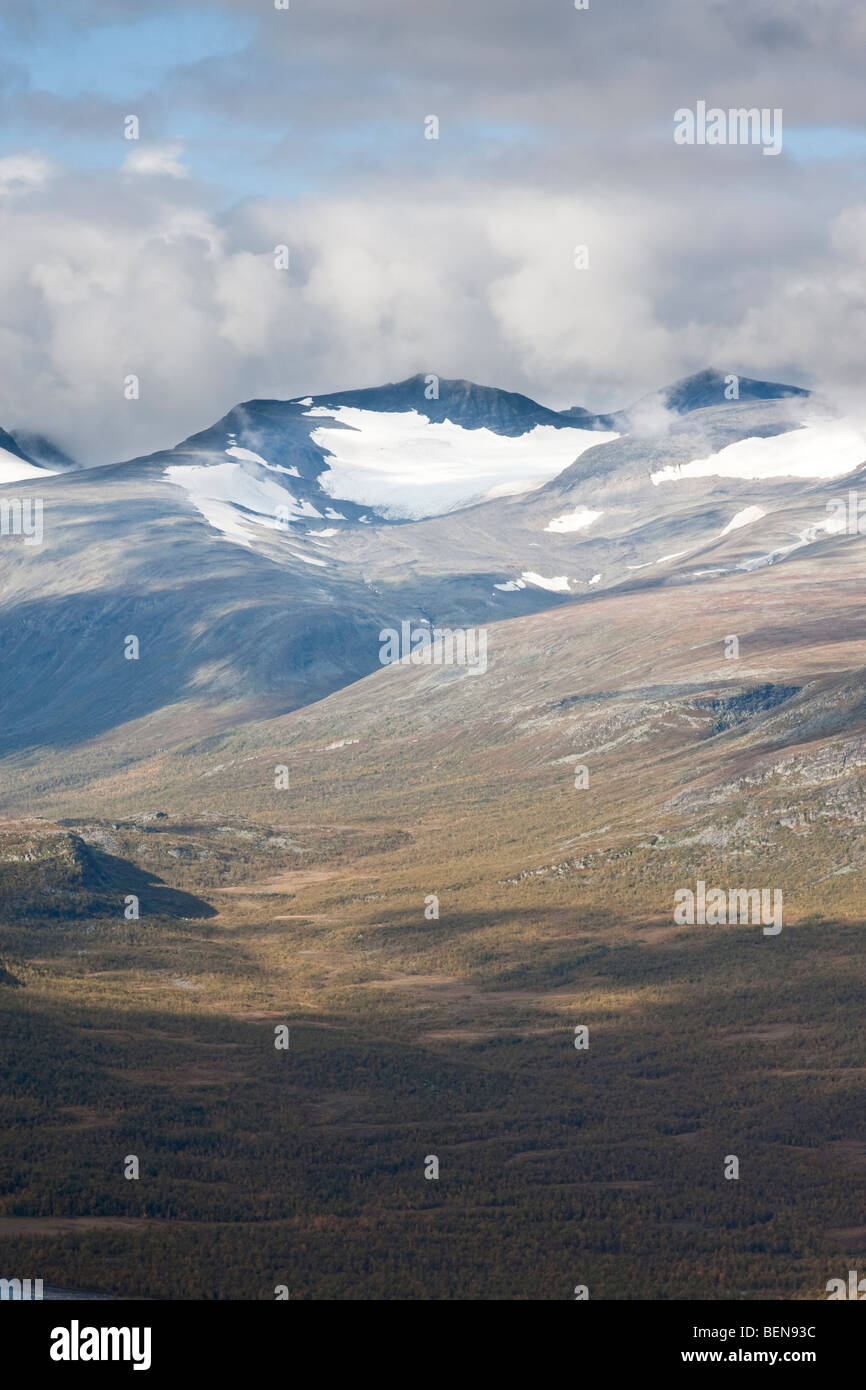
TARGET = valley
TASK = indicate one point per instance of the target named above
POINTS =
(453, 1036)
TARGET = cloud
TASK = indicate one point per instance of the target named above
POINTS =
(20, 172)
(815, 313)
(454, 256)
(651, 417)
(162, 160)
(480, 283)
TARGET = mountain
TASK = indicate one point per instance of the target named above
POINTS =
(737, 485)
(44, 452)
(703, 390)
(439, 881)
(401, 452)
(438, 399)
(254, 586)
(426, 445)
(697, 752)
(709, 387)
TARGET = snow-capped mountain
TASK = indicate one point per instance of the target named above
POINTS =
(405, 451)
(392, 452)
(258, 561)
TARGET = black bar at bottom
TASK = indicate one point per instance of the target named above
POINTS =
(257, 1339)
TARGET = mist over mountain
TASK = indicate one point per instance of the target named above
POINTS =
(706, 388)
(44, 452)
(9, 444)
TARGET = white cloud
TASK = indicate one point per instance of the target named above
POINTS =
(20, 172)
(162, 160)
(455, 257)
(479, 282)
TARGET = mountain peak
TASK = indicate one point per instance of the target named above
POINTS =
(712, 387)
(462, 402)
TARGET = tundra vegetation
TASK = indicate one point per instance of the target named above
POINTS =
(413, 1035)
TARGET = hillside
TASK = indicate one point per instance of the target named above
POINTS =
(436, 880)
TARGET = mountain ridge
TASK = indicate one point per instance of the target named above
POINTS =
(254, 591)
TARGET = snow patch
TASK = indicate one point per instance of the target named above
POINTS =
(674, 555)
(577, 520)
(743, 518)
(231, 499)
(510, 586)
(558, 585)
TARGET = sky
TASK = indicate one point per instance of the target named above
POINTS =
(306, 128)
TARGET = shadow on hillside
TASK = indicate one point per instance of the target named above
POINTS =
(283, 645)
(155, 897)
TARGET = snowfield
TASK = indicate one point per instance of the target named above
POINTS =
(231, 499)
(15, 470)
(577, 520)
(819, 449)
(406, 466)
